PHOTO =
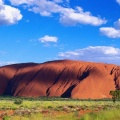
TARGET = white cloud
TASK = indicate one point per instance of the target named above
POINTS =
(9, 15)
(46, 8)
(2, 63)
(58, 1)
(112, 32)
(78, 16)
(106, 54)
(1, 2)
(19, 2)
(48, 38)
(68, 16)
(117, 24)
(118, 1)
(31, 2)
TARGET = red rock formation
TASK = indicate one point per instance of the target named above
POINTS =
(63, 78)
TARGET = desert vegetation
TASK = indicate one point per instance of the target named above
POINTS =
(115, 94)
(43, 108)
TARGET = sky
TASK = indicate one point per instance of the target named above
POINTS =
(45, 30)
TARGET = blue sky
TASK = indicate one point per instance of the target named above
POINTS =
(45, 30)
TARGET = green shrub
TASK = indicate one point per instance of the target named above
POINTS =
(6, 118)
(18, 101)
(115, 95)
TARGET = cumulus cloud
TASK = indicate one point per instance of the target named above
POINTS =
(118, 1)
(78, 16)
(106, 54)
(47, 39)
(45, 8)
(112, 32)
(68, 16)
(9, 15)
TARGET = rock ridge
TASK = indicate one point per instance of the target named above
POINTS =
(62, 78)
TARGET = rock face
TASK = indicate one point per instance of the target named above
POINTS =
(65, 78)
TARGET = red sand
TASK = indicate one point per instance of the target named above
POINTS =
(63, 78)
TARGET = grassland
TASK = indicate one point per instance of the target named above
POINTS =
(15, 108)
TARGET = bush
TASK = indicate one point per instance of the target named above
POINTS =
(115, 95)
(18, 102)
(6, 118)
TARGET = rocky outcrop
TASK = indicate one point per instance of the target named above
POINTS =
(65, 78)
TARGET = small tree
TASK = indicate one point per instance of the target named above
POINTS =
(115, 95)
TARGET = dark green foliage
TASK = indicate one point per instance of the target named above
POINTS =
(18, 101)
(12, 98)
(115, 95)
